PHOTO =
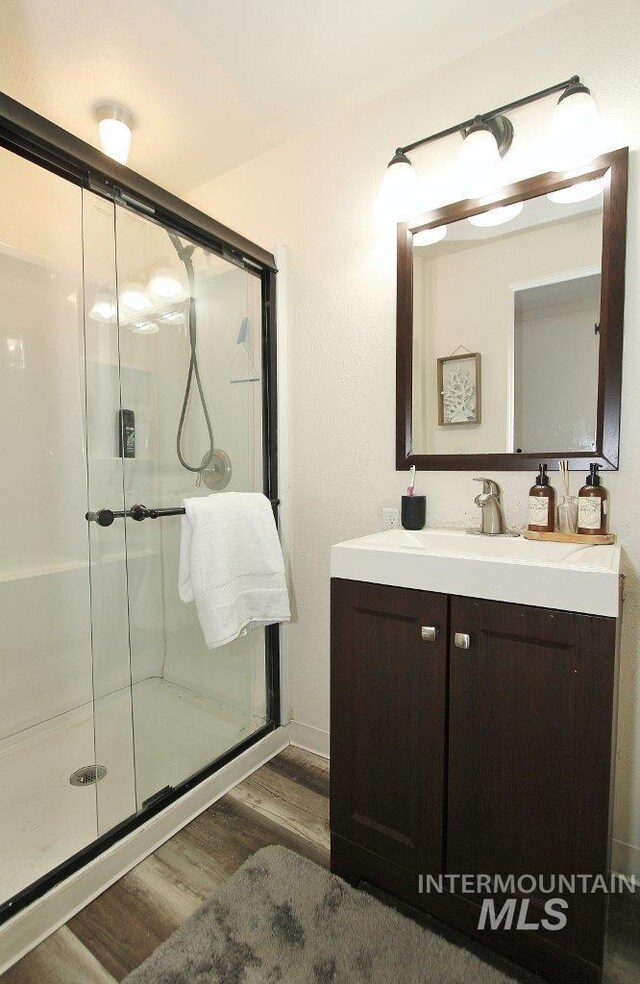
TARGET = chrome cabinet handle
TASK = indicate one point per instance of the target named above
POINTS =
(429, 633)
(462, 641)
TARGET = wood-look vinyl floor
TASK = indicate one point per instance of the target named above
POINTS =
(285, 802)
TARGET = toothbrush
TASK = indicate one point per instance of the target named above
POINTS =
(412, 481)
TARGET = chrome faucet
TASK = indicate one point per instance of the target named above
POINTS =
(489, 502)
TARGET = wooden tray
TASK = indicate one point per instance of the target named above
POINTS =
(584, 538)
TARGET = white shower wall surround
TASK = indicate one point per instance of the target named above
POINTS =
(341, 312)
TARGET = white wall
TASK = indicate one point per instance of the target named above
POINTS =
(316, 195)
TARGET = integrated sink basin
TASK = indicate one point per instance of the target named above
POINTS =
(565, 576)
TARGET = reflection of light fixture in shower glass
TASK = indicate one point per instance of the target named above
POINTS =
(165, 286)
(103, 309)
(173, 317)
(144, 327)
(134, 298)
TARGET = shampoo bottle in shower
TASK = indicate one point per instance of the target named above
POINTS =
(593, 504)
(542, 504)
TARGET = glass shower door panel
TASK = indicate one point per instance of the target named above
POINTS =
(190, 705)
(109, 600)
(46, 706)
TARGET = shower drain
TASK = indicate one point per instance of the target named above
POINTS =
(87, 775)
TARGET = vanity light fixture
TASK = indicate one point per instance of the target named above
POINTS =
(484, 145)
(574, 129)
(399, 196)
(496, 216)
(115, 124)
(487, 139)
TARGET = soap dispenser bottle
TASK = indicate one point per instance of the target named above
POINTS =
(542, 504)
(593, 504)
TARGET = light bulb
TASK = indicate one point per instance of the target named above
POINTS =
(165, 286)
(429, 236)
(114, 127)
(134, 298)
(574, 131)
(496, 216)
(580, 192)
(479, 163)
(399, 198)
(103, 309)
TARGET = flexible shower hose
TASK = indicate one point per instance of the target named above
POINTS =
(185, 253)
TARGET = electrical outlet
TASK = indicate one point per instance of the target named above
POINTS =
(390, 518)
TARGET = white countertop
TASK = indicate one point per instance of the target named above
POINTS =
(564, 576)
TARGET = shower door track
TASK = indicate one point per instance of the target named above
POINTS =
(37, 139)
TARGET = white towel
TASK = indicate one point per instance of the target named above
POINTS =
(231, 565)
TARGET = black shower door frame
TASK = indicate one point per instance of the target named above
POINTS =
(44, 143)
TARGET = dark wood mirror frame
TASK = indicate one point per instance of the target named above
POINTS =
(614, 223)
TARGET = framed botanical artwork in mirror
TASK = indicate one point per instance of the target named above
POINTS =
(531, 282)
(459, 382)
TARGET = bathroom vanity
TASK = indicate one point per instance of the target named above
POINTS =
(472, 719)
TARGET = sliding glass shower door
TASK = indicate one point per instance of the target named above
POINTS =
(46, 697)
(191, 408)
(130, 376)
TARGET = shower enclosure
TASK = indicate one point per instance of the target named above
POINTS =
(137, 367)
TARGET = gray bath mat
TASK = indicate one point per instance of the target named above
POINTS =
(281, 918)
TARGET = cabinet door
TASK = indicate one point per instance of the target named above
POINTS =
(530, 725)
(388, 700)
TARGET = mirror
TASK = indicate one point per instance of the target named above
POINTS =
(510, 326)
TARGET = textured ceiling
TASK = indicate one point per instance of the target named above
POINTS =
(214, 84)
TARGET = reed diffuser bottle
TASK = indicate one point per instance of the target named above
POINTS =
(568, 507)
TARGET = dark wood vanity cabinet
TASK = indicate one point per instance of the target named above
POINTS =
(492, 759)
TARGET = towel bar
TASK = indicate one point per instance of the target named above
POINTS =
(105, 517)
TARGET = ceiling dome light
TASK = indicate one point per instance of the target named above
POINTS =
(103, 309)
(480, 159)
(115, 124)
(134, 298)
(496, 216)
(430, 236)
(165, 286)
(574, 131)
(399, 198)
(580, 192)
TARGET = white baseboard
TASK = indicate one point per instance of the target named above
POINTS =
(309, 738)
(625, 859)
(32, 925)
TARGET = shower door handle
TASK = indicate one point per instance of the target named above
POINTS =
(105, 517)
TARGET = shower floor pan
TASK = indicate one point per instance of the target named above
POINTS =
(44, 820)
